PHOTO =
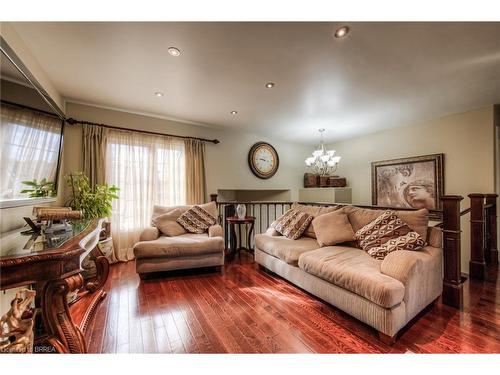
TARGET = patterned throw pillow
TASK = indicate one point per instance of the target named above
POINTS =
(196, 220)
(292, 223)
(410, 241)
(387, 233)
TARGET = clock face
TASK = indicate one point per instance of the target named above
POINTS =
(263, 160)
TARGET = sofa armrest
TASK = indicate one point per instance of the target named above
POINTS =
(215, 231)
(149, 234)
(272, 232)
(421, 273)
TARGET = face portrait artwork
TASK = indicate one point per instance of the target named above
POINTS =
(409, 185)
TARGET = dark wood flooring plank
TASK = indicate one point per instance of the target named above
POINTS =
(246, 310)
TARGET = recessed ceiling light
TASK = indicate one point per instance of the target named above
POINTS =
(174, 51)
(270, 85)
(158, 94)
(234, 112)
(341, 32)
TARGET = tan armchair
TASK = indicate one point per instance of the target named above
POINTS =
(157, 252)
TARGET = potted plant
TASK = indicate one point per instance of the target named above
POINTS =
(43, 188)
(94, 202)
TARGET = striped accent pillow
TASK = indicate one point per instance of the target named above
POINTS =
(293, 223)
(196, 220)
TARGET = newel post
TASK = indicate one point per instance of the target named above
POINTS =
(452, 280)
(477, 264)
(491, 199)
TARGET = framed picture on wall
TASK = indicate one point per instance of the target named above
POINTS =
(413, 182)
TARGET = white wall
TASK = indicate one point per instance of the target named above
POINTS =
(466, 139)
(21, 50)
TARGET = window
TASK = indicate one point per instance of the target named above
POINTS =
(149, 170)
(30, 150)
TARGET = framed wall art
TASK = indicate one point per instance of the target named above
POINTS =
(413, 182)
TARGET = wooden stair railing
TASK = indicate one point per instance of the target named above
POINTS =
(491, 243)
(477, 264)
(483, 233)
(452, 278)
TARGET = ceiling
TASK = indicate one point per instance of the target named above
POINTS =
(381, 75)
(9, 71)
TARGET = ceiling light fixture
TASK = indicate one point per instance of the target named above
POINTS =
(234, 112)
(270, 85)
(174, 51)
(159, 94)
(341, 32)
(323, 161)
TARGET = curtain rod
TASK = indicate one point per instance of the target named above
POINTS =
(72, 121)
(31, 109)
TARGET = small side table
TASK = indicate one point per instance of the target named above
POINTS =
(235, 245)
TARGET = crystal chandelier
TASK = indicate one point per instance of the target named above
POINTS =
(323, 162)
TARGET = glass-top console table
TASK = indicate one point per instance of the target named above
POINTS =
(52, 262)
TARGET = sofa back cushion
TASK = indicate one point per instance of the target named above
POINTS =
(293, 223)
(332, 228)
(197, 220)
(313, 211)
(167, 223)
(417, 220)
(210, 207)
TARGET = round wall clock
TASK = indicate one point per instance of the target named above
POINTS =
(263, 160)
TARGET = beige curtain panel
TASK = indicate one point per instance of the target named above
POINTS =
(94, 153)
(149, 170)
(196, 184)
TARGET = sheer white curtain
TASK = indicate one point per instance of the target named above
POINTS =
(148, 170)
(30, 149)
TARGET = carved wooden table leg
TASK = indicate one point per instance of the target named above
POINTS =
(102, 270)
(233, 242)
(63, 334)
(249, 236)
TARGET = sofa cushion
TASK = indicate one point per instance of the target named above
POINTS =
(353, 269)
(183, 245)
(293, 223)
(313, 211)
(384, 227)
(417, 220)
(284, 248)
(196, 220)
(168, 225)
(333, 228)
(387, 233)
(210, 207)
(410, 241)
(160, 210)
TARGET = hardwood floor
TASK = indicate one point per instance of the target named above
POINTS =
(245, 310)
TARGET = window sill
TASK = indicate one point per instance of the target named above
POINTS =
(10, 203)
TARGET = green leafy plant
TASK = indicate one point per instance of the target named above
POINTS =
(94, 202)
(43, 188)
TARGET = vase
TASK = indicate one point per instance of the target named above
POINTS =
(241, 211)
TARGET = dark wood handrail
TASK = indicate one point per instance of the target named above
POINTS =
(464, 212)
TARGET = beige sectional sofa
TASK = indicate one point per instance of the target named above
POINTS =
(385, 294)
(157, 252)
